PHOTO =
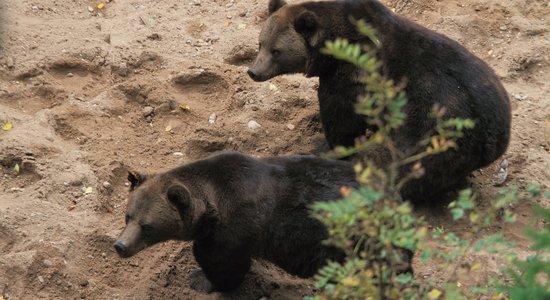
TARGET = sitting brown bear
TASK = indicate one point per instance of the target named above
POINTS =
(235, 207)
(437, 70)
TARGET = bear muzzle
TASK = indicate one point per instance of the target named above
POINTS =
(255, 76)
(121, 249)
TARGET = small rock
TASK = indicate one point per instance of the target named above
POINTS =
(107, 38)
(107, 185)
(212, 118)
(70, 74)
(34, 7)
(120, 69)
(103, 254)
(502, 172)
(177, 154)
(90, 9)
(134, 264)
(10, 63)
(503, 28)
(290, 126)
(166, 107)
(154, 37)
(84, 282)
(147, 111)
(47, 263)
(253, 125)
(41, 279)
(519, 97)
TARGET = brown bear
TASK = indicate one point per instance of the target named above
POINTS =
(235, 207)
(436, 69)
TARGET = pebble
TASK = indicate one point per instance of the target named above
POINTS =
(178, 154)
(212, 118)
(120, 69)
(147, 111)
(10, 63)
(290, 126)
(107, 185)
(502, 172)
(70, 74)
(253, 125)
(84, 282)
(90, 9)
(47, 263)
(41, 279)
(503, 28)
(107, 38)
(519, 97)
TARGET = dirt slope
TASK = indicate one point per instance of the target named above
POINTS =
(80, 85)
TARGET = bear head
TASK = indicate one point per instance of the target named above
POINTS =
(150, 218)
(287, 41)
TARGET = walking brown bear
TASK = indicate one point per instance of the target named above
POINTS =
(436, 69)
(235, 207)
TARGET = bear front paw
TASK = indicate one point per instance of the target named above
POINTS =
(199, 282)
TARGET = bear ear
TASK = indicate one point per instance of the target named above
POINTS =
(135, 179)
(274, 5)
(179, 196)
(307, 24)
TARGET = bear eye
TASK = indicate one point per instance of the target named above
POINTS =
(276, 53)
(146, 228)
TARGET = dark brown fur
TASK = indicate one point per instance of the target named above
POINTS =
(437, 70)
(235, 207)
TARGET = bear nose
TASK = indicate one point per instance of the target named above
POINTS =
(120, 248)
(252, 74)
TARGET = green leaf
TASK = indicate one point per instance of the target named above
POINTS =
(457, 213)
(534, 190)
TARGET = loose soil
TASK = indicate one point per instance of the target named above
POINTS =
(78, 83)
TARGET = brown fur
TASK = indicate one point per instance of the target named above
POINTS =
(436, 69)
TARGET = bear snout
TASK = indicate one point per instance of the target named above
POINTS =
(252, 73)
(121, 249)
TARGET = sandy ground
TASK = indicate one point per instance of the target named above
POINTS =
(79, 87)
